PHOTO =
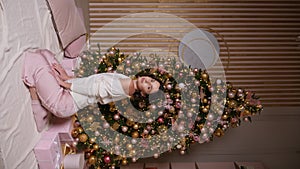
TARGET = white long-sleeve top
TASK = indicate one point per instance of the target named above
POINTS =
(103, 88)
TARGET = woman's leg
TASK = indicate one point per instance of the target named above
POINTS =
(41, 115)
(36, 73)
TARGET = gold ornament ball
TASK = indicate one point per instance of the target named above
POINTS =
(135, 134)
(132, 152)
(205, 100)
(90, 119)
(116, 126)
(95, 146)
(124, 162)
(135, 126)
(92, 140)
(204, 76)
(117, 139)
(241, 108)
(224, 117)
(247, 112)
(81, 72)
(204, 110)
(83, 138)
(129, 123)
(219, 132)
(232, 103)
(74, 133)
(148, 114)
(129, 146)
(92, 160)
(80, 129)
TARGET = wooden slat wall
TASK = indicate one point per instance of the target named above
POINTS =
(263, 37)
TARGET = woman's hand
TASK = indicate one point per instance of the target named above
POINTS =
(62, 74)
(59, 80)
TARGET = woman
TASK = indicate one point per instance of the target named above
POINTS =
(63, 95)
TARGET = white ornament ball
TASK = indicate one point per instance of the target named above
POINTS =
(204, 136)
(97, 133)
(124, 128)
(211, 130)
(117, 148)
(189, 114)
(106, 125)
(116, 117)
(146, 131)
(180, 128)
(203, 130)
(133, 141)
(74, 143)
(220, 112)
(181, 85)
(133, 159)
(210, 117)
(160, 113)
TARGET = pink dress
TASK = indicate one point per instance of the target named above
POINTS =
(36, 73)
(102, 88)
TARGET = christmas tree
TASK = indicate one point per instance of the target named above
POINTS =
(193, 109)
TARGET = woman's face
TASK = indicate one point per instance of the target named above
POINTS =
(147, 85)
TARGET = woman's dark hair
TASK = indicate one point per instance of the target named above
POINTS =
(142, 103)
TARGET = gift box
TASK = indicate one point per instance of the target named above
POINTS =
(48, 151)
(63, 126)
(74, 161)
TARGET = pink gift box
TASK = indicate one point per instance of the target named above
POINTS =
(74, 161)
(48, 151)
(62, 126)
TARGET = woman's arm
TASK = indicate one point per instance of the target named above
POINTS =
(62, 74)
(65, 84)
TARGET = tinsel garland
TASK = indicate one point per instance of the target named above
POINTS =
(195, 109)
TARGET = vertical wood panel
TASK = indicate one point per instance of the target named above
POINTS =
(261, 36)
